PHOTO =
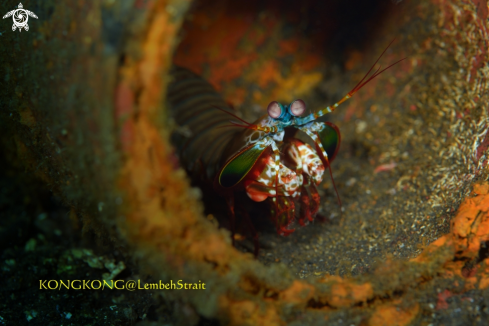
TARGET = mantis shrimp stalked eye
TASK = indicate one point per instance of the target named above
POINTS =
(276, 110)
(297, 108)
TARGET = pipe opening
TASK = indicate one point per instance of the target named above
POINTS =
(255, 52)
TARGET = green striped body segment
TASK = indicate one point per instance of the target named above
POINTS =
(330, 137)
(240, 165)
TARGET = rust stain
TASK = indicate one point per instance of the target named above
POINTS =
(255, 51)
(247, 312)
(298, 292)
(345, 293)
(470, 226)
(442, 297)
(219, 50)
(393, 315)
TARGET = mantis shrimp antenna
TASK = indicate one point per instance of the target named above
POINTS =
(361, 83)
(247, 124)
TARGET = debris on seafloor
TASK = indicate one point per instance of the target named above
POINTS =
(94, 261)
